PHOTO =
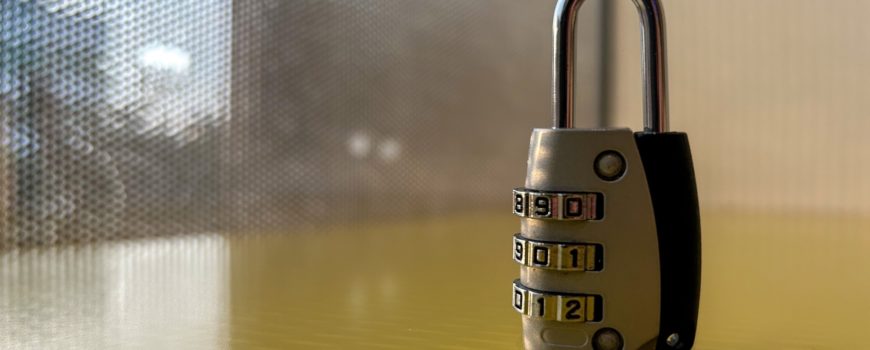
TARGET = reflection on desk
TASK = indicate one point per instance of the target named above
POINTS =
(770, 282)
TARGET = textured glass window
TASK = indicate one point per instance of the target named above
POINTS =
(148, 148)
(335, 173)
(112, 113)
(142, 118)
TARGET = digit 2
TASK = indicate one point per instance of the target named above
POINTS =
(574, 307)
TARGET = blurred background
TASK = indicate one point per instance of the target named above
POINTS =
(335, 174)
(132, 119)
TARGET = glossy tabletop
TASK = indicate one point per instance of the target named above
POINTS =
(770, 281)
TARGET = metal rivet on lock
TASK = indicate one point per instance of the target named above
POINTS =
(610, 165)
(673, 339)
(607, 339)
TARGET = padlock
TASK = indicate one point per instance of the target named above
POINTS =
(609, 245)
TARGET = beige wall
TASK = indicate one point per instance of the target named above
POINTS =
(774, 96)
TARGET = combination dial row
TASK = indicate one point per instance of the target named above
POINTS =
(557, 255)
(569, 206)
(557, 306)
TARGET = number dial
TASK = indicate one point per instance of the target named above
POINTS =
(557, 307)
(558, 256)
(569, 206)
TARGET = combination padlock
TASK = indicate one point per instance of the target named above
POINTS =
(609, 247)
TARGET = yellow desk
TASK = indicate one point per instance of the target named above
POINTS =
(770, 282)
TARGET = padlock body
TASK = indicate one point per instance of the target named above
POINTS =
(636, 228)
(627, 286)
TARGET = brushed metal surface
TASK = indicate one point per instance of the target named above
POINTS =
(564, 160)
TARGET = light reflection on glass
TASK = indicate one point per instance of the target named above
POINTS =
(137, 294)
(166, 58)
(359, 144)
(389, 150)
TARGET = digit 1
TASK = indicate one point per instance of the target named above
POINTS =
(540, 306)
(540, 255)
(574, 258)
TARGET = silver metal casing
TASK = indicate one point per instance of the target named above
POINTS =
(562, 160)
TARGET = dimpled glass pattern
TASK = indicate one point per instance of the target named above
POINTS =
(123, 119)
(111, 116)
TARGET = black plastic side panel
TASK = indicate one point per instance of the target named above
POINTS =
(667, 161)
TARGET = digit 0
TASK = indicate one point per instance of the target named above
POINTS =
(519, 299)
(540, 254)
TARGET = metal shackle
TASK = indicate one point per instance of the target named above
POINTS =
(653, 55)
